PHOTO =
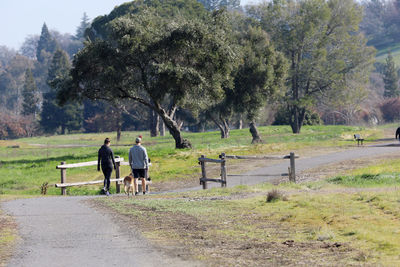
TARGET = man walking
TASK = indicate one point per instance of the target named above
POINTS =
(139, 162)
(106, 157)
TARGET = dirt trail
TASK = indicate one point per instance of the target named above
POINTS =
(66, 231)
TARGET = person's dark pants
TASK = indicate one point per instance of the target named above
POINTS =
(107, 175)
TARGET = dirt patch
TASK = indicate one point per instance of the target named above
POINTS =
(208, 239)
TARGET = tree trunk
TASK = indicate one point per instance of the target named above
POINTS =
(161, 126)
(223, 126)
(226, 129)
(297, 118)
(239, 124)
(154, 123)
(173, 128)
(254, 133)
(294, 111)
(119, 125)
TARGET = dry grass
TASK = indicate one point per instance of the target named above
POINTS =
(8, 235)
(313, 229)
(275, 195)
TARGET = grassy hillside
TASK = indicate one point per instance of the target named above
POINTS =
(383, 52)
(28, 163)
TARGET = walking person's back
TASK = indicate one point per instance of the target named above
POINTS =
(106, 160)
(139, 162)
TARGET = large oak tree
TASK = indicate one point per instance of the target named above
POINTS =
(161, 59)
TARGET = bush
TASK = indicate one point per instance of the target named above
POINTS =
(282, 117)
(12, 126)
(275, 195)
(390, 109)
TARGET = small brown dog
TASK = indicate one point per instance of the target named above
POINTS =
(129, 185)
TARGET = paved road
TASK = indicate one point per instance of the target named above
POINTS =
(313, 162)
(303, 164)
(66, 231)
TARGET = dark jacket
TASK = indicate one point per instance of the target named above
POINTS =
(398, 133)
(106, 157)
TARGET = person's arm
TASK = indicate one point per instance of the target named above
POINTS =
(146, 159)
(98, 161)
(112, 158)
(130, 158)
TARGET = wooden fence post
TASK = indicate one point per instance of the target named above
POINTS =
(117, 175)
(223, 170)
(63, 179)
(292, 173)
(203, 172)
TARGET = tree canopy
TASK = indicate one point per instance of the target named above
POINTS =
(320, 40)
(159, 61)
(217, 4)
(46, 44)
(390, 78)
(31, 100)
(53, 116)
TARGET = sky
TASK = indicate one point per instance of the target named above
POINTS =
(20, 18)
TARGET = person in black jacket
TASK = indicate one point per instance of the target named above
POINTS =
(106, 157)
(398, 133)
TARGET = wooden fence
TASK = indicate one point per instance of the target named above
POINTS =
(64, 166)
(223, 157)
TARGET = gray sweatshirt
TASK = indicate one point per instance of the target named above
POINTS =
(138, 158)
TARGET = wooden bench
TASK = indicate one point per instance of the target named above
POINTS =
(359, 139)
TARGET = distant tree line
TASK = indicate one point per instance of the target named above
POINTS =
(381, 22)
(192, 65)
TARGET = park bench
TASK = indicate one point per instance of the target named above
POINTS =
(359, 139)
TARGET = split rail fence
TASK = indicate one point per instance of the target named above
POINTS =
(64, 166)
(222, 160)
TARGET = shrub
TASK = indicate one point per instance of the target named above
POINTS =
(282, 117)
(12, 126)
(390, 109)
(275, 195)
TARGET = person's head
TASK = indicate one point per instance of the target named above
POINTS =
(138, 140)
(107, 141)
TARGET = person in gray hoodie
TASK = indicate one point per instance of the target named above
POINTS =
(139, 162)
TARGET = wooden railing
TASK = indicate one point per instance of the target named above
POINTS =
(64, 166)
(203, 180)
(223, 157)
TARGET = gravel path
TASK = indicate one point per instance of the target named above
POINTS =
(66, 231)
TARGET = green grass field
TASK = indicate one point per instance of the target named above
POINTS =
(25, 166)
(394, 50)
(350, 219)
